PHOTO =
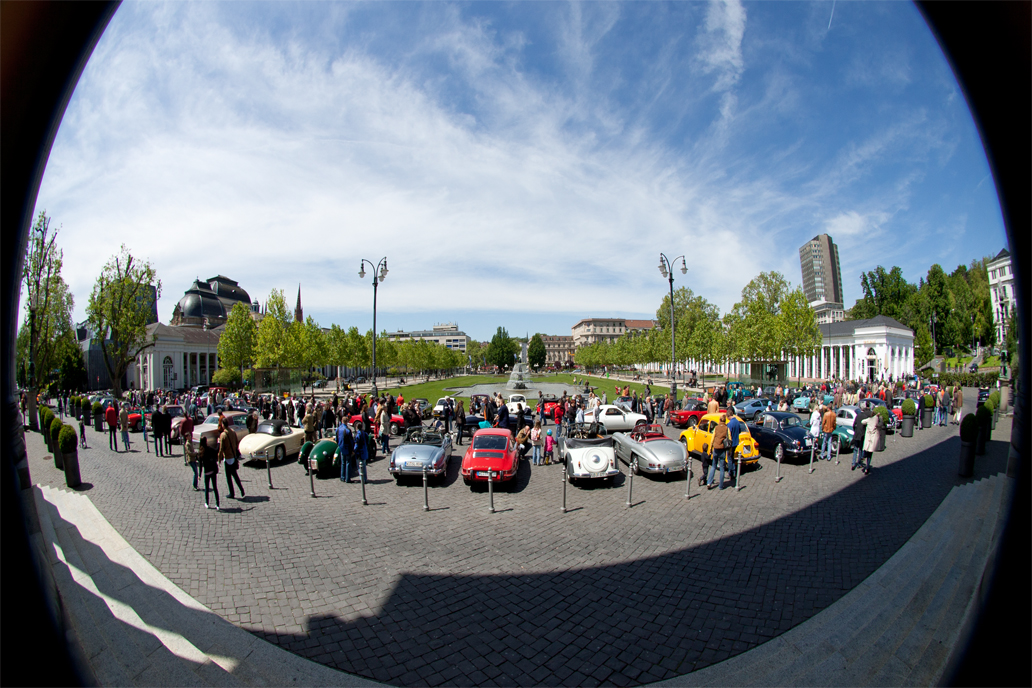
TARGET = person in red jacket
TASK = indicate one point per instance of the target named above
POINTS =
(111, 418)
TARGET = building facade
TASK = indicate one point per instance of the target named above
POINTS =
(180, 357)
(822, 278)
(1001, 292)
(591, 330)
(876, 349)
(447, 335)
(559, 349)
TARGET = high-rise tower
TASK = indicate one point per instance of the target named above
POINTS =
(822, 278)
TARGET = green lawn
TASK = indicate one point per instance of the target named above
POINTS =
(959, 361)
(991, 362)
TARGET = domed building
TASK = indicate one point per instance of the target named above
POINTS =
(212, 299)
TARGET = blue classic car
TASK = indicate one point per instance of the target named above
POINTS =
(422, 447)
(752, 408)
(781, 434)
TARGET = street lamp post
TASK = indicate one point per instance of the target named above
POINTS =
(666, 268)
(379, 273)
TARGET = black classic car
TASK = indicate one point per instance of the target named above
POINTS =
(781, 434)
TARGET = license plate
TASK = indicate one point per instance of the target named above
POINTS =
(807, 443)
(413, 464)
(313, 464)
(482, 474)
(597, 475)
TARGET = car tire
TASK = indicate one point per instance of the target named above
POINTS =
(779, 452)
(634, 464)
(394, 429)
(692, 422)
(281, 453)
(835, 444)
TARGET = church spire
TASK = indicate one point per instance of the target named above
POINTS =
(299, 315)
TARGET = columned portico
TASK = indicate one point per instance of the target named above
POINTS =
(863, 350)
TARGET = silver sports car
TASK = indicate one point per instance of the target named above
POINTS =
(646, 449)
(421, 447)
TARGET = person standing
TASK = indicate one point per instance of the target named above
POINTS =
(668, 405)
(828, 429)
(228, 455)
(447, 413)
(345, 450)
(958, 404)
(502, 417)
(735, 428)
(361, 450)
(460, 422)
(309, 425)
(871, 436)
(123, 425)
(536, 442)
(210, 465)
(718, 452)
(384, 421)
(815, 424)
(111, 418)
(859, 432)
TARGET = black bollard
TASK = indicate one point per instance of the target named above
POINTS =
(490, 490)
(361, 475)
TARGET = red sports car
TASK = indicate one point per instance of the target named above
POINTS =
(492, 449)
(397, 422)
(689, 414)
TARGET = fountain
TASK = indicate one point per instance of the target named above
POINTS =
(520, 375)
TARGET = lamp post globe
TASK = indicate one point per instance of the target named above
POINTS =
(379, 273)
(666, 269)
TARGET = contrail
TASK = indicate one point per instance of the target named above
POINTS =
(832, 14)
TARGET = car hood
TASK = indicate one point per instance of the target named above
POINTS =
(257, 441)
(664, 451)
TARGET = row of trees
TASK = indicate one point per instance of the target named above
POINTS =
(771, 322)
(946, 311)
(280, 341)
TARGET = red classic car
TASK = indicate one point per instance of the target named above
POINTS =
(689, 414)
(492, 449)
(397, 422)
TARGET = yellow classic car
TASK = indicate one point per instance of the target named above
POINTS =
(699, 438)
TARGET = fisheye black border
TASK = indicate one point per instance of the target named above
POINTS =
(44, 46)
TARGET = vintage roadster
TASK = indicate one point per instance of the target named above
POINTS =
(588, 453)
(647, 449)
(422, 447)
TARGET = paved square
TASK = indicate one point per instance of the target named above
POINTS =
(526, 596)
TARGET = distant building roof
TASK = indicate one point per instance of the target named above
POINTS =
(1001, 255)
(640, 324)
(846, 327)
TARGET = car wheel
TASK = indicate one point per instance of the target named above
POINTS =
(634, 464)
(779, 452)
(692, 422)
(394, 429)
(835, 444)
(281, 453)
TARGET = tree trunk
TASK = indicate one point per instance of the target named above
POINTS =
(31, 410)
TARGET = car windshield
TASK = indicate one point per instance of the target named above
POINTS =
(213, 419)
(792, 422)
(496, 442)
(267, 429)
(174, 411)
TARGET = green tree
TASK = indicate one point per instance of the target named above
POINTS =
(501, 349)
(536, 353)
(359, 348)
(336, 344)
(799, 323)
(42, 282)
(922, 346)
(239, 339)
(118, 310)
(885, 293)
(272, 332)
(763, 336)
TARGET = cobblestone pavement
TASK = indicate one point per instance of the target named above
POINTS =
(600, 595)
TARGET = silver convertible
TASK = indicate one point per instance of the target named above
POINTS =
(421, 447)
(646, 449)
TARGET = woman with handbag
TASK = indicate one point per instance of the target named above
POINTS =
(228, 455)
(210, 462)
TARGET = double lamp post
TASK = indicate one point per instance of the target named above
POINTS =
(379, 273)
(666, 268)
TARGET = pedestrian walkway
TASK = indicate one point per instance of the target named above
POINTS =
(134, 627)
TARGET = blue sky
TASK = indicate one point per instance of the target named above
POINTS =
(520, 164)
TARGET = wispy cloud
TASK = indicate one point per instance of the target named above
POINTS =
(495, 158)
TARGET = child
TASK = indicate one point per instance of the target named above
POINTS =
(549, 447)
(535, 443)
(82, 433)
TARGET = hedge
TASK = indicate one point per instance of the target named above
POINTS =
(68, 440)
(55, 428)
(969, 428)
(909, 408)
(963, 379)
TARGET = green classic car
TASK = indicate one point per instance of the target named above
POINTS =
(320, 457)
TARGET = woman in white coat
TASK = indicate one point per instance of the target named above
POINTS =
(871, 437)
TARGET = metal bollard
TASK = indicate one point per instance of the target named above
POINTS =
(812, 447)
(311, 475)
(361, 476)
(490, 490)
(777, 477)
(630, 485)
(738, 474)
(426, 491)
(838, 448)
(564, 487)
(143, 422)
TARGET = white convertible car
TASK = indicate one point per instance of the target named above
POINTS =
(275, 439)
(615, 419)
(647, 449)
(588, 453)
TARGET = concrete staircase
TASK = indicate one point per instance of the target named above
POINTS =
(134, 627)
(900, 626)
